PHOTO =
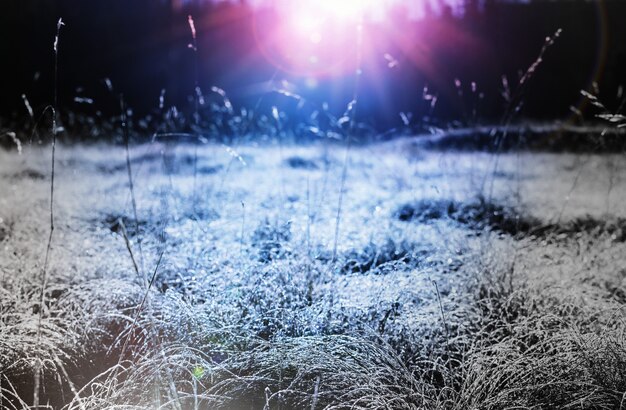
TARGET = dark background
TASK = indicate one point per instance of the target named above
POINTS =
(141, 45)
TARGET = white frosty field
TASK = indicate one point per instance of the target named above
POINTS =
(436, 280)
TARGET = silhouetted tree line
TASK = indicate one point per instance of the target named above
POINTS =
(142, 46)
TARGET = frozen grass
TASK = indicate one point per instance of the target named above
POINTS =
(442, 295)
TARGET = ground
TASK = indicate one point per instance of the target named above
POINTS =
(388, 275)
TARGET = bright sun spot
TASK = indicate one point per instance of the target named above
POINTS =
(346, 9)
(323, 10)
(318, 37)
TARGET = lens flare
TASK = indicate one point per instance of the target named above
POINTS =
(333, 9)
(314, 38)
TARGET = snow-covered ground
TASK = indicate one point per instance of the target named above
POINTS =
(379, 276)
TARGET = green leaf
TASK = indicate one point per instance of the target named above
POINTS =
(198, 372)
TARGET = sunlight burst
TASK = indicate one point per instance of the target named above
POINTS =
(317, 37)
(323, 10)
